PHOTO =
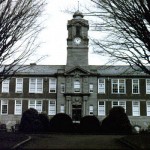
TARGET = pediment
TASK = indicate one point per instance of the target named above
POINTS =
(77, 71)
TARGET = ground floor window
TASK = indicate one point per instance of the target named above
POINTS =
(119, 103)
(4, 107)
(101, 108)
(18, 107)
(36, 104)
(135, 108)
(91, 110)
(148, 108)
(52, 107)
(62, 109)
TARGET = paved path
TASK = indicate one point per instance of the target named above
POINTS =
(52, 141)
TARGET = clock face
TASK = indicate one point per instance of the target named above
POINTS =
(77, 40)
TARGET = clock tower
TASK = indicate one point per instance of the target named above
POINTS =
(77, 41)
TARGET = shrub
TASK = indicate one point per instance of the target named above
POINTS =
(29, 121)
(61, 123)
(43, 118)
(89, 124)
(116, 122)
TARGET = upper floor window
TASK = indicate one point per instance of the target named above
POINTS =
(135, 108)
(118, 86)
(18, 107)
(62, 108)
(52, 85)
(52, 107)
(36, 85)
(19, 85)
(147, 86)
(36, 104)
(91, 88)
(101, 85)
(62, 88)
(5, 86)
(119, 103)
(76, 86)
(135, 86)
(4, 107)
(101, 108)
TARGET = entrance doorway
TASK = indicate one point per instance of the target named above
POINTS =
(76, 112)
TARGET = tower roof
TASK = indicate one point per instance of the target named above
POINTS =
(78, 14)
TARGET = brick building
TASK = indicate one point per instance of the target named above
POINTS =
(76, 88)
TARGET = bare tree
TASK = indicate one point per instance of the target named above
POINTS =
(126, 26)
(19, 28)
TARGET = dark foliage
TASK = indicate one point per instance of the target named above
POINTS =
(43, 118)
(89, 124)
(61, 123)
(30, 121)
(116, 122)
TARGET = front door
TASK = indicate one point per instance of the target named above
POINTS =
(76, 112)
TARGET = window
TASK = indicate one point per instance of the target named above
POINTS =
(52, 85)
(36, 104)
(135, 86)
(91, 88)
(18, 107)
(91, 110)
(62, 87)
(19, 85)
(62, 108)
(52, 107)
(119, 103)
(5, 86)
(36, 85)
(101, 85)
(76, 86)
(4, 107)
(118, 86)
(148, 108)
(135, 108)
(147, 86)
(101, 108)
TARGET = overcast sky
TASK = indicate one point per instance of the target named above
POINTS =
(55, 33)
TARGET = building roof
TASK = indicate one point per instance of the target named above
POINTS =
(104, 70)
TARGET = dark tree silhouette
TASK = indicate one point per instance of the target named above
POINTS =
(19, 28)
(116, 122)
(89, 124)
(61, 122)
(126, 28)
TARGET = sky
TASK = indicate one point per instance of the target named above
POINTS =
(54, 35)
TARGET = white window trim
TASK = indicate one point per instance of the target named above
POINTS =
(147, 108)
(119, 104)
(49, 108)
(36, 91)
(91, 90)
(104, 86)
(77, 88)
(147, 87)
(50, 84)
(7, 107)
(3, 82)
(138, 86)
(91, 110)
(118, 83)
(104, 108)
(138, 107)
(16, 113)
(35, 104)
(21, 91)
